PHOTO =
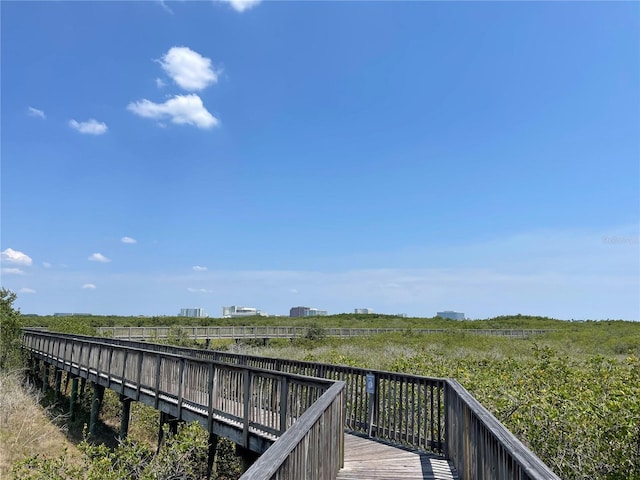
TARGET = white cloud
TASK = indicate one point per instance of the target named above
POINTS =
(27, 290)
(10, 255)
(128, 240)
(181, 109)
(90, 127)
(165, 7)
(197, 290)
(242, 5)
(12, 271)
(34, 112)
(190, 70)
(198, 268)
(160, 83)
(47, 264)
(89, 286)
(98, 257)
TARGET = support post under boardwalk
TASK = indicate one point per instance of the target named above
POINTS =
(247, 457)
(163, 420)
(45, 377)
(124, 420)
(211, 459)
(57, 381)
(96, 405)
(73, 399)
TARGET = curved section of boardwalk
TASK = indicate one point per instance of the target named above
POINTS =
(368, 459)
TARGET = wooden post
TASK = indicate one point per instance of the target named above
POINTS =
(160, 431)
(57, 382)
(96, 405)
(371, 394)
(74, 396)
(211, 459)
(124, 419)
(45, 377)
(164, 419)
(247, 457)
(246, 394)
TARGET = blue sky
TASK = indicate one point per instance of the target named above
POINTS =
(408, 157)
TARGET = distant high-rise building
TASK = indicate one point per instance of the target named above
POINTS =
(234, 312)
(451, 315)
(193, 312)
(363, 310)
(306, 312)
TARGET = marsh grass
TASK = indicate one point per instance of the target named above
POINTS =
(26, 427)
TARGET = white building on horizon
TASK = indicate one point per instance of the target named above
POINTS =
(363, 310)
(451, 315)
(296, 312)
(235, 312)
(193, 312)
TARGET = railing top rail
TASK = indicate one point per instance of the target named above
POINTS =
(534, 467)
(302, 363)
(269, 463)
(262, 371)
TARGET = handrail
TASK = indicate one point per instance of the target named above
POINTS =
(264, 402)
(404, 408)
(428, 413)
(288, 455)
(481, 447)
(239, 332)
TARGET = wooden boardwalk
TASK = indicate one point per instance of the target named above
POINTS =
(369, 459)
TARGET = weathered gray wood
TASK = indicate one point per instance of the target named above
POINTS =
(367, 459)
(222, 397)
(267, 332)
(431, 414)
(304, 450)
(481, 447)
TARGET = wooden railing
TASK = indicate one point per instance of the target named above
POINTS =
(312, 448)
(433, 414)
(253, 407)
(239, 332)
(407, 409)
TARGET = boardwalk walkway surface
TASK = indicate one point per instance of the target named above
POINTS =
(368, 459)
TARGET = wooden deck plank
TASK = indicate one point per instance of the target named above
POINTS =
(368, 459)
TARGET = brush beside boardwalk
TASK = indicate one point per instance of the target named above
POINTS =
(295, 412)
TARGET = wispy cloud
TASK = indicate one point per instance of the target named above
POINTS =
(90, 127)
(198, 268)
(12, 271)
(181, 110)
(165, 7)
(10, 255)
(160, 83)
(197, 290)
(88, 286)
(98, 257)
(128, 240)
(27, 290)
(34, 112)
(242, 5)
(190, 70)
(47, 264)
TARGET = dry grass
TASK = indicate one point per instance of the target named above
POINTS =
(26, 428)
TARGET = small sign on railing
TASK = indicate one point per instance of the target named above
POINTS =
(371, 378)
(371, 393)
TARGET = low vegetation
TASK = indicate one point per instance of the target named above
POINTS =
(572, 395)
